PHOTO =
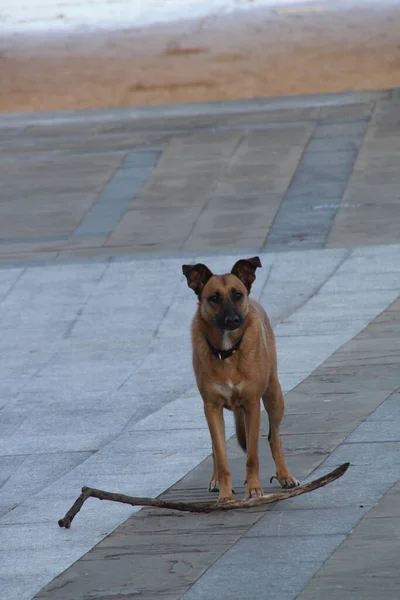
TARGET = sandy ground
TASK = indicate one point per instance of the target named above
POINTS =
(256, 54)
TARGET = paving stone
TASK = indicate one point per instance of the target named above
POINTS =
(387, 411)
(296, 219)
(379, 454)
(365, 565)
(343, 129)
(381, 431)
(389, 505)
(35, 473)
(340, 144)
(307, 522)
(115, 199)
(300, 282)
(265, 557)
(319, 422)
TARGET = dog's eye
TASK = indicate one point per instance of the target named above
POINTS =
(237, 296)
(214, 299)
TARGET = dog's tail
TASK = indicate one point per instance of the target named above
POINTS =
(240, 429)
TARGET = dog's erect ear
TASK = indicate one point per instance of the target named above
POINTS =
(197, 277)
(245, 270)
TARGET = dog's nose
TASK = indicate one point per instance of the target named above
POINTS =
(231, 320)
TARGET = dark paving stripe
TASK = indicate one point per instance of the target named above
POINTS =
(164, 554)
(314, 195)
(117, 196)
(366, 565)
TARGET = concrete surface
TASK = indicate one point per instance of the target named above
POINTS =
(97, 214)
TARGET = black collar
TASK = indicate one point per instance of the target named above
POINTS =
(223, 354)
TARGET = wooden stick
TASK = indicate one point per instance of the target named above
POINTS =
(199, 507)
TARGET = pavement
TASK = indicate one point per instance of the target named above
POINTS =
(98, 210)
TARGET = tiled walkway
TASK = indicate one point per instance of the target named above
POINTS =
(97, 213)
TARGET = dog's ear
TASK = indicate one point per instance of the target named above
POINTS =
(197, 277)
(245, 270)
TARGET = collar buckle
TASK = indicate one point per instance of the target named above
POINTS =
(224, 354)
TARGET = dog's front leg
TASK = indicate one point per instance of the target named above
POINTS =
(213, 485)
(252, 423)
(216, 425)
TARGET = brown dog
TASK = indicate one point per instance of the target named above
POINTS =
(234, 359)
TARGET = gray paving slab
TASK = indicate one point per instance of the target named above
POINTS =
(316, 521)
(33, 473)
(61, 190)
(366, 564)
(292, 561)
(118, 195)
(297, 223)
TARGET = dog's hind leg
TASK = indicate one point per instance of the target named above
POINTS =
(240, 428)
(252, 423)
(274, 405)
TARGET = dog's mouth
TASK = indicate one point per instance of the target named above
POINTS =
(231, 327)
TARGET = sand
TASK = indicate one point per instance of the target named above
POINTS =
(261, 53)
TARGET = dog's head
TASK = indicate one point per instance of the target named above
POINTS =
(223, 298)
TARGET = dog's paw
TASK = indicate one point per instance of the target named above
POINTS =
(213, 486)
(226, 498)
(287, 480)
(255, 492)
(253, 488)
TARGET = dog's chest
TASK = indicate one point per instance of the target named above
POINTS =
(230, 392)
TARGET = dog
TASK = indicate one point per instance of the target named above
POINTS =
(235, 365)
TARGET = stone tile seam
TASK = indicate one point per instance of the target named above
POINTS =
(197, 109)
(79, 312)
(216, 129)
(346, 256)
(129, 256)
(323, 564)
(264, 246)
(60, 452)
(28, 381)
(357, 155)
(347, 536)
(50, 238)
(157, 157)
(102, 199)
(14, 284)
(240, 537)
(106, 184)
(53, 155)
(146, 353)
(270, 267)
(210, 189)
(288, 536)
(345, 439)
(330, 218)
(160, 132)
